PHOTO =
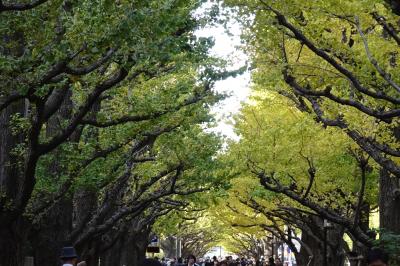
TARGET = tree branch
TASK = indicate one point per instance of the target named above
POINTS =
(20, 7)
(82, 111)
(373, 61)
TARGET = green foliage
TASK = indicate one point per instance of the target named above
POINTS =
(389, 242)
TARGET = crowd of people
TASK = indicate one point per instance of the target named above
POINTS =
(227, 261)
(375, 257)
(69, 257)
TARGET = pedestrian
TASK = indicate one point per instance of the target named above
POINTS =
(278, 262)
(150, 262)
(223, 263)
(377, 257)
(68, 256)
(192, 260)
(271, 262)
(180, 262)
(215, 261)
(208, 262)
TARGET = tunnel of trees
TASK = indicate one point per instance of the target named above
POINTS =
(103, 111)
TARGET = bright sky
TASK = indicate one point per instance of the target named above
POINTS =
(238, 87)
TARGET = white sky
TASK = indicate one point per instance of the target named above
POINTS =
(238, 87)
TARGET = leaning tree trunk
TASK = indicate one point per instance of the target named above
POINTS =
(56, 224)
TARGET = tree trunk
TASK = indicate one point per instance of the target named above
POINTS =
(168, 246)
(389, 203)
(314, 239)
(13, 245)
(12, 231)
(55, 228)
(129, 250)
(56, 224)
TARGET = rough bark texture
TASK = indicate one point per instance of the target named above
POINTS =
(12, 233)
(84, 203)
(13, 244)
(54, 231)
(314, 239)
(389, 202)
(128, 250)
(56, 224)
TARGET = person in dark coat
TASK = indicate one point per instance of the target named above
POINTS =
(192, 260)
(271, 261)
(377, 257)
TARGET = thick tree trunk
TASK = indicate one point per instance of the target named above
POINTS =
(389, 203)
(129, 250)
(13, 245)
(51, 238)
(314, 239)
(12, 231)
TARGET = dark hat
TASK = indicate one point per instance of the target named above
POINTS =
(68, 253)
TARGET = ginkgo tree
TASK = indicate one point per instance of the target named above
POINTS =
(101, 104)
(337, 61)
(293, 173)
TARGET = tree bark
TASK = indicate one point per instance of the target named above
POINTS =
(389, 203)
(55, 228)
(314, 239)
(56, 224)
(12, 232)
(129, 250)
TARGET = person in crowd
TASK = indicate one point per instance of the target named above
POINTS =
(173, 262)
(271, 261)
(180, 262)
(223, 263)
(150, 262)
(377, 257)
(68, 256)
(208, 262)
(200, 262)
(191, 260)
(278, 262)
(215, 261)
(230, 261)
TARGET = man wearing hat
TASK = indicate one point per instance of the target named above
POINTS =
(69, 256)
